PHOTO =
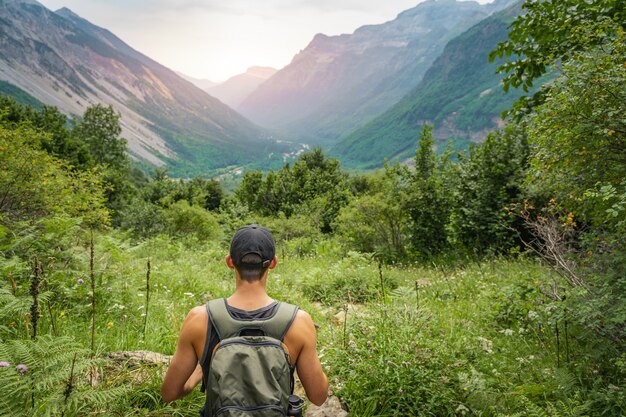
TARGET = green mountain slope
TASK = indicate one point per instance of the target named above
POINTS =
(20, 95)
(460, 94)
(338, 83)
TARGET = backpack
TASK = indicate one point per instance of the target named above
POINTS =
(250, 374)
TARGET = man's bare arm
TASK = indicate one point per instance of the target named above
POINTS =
(308, 364)
(184, 373)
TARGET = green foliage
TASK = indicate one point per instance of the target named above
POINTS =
(19, 95)
(578, 158)
(313, 186)
(555, 30)
(34, 184)
(489, 180)
(56, 137)
(578, 134)
(427, 204)
(100, 130)
(185, 220)
(42, 389)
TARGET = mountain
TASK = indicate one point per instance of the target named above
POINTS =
(234, 90)
(198, 82)
(460, 94)
(337, 83)
(64, 60)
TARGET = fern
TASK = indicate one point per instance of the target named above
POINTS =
(41, 390)
(572, 407)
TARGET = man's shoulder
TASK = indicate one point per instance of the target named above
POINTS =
(303, 321)
(196, 317)
(197, 311)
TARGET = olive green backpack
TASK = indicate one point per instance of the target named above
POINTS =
(250, 374)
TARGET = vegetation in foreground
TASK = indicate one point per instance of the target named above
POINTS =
(481, 338)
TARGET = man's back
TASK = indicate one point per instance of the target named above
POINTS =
(251, 255)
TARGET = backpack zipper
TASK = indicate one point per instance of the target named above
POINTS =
(247, 343)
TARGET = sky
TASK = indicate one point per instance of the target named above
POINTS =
(216, 39)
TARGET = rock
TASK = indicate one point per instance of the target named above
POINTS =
(140, 357)
(331, 408)
(340, 317)
(352, 309)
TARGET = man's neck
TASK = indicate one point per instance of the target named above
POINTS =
(249, 295)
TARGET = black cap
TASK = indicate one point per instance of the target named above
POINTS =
(252, 239)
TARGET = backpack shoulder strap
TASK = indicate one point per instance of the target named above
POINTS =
(277, 325)
(226, 326)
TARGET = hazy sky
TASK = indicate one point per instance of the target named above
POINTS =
(215, 39)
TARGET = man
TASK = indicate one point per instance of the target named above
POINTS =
(251, 256)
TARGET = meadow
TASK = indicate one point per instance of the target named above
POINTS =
(477, 338)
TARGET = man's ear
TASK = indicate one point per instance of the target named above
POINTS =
(273, 263)
(229, 262)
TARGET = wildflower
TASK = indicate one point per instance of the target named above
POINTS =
(109, 325)
(486, 344)
(400, 391)
(21, 368)
(4, 364)
(80, 281)
(330, 392)
(461, 409)
(532, 315)
(507, 332)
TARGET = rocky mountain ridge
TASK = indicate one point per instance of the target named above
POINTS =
(234, 90)
(338, 83)
(64, 60)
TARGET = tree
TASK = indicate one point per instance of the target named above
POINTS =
(578, 135)
(100, 129)
(314, 186)
(427, 205)
(34, 184)
(490, 178)
(553, 31)
(376, 221)
(56, 139)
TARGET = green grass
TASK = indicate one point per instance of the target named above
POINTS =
(479, 337)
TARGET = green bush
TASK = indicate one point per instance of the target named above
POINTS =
(183, 219)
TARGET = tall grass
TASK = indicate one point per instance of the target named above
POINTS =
(476, 339)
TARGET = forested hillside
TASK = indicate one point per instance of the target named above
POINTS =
(460, 95)
(338, 83)
(484, 282)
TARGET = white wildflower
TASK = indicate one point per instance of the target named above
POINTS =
(486, 344)
(532, 315)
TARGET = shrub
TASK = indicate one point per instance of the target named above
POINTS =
(183, 219)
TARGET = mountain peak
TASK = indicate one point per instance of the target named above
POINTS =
(65, 12)
(31, 2)
(261, 72)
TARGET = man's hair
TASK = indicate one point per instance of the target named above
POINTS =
(251, 268)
